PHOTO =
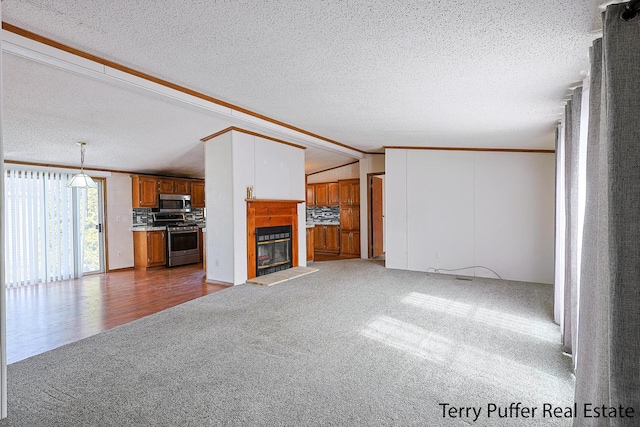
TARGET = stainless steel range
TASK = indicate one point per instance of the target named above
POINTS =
(183, 243)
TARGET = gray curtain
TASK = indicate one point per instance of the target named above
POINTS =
(608, 371)
(572, 141)
(592, 372)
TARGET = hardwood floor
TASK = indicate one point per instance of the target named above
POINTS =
(46, 316)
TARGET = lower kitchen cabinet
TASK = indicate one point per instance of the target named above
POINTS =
(149, 249)
(350, 243)
(310, 245)
(326, 238)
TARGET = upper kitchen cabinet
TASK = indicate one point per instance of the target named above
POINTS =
(197, 194)
(349, 192)
(311, 195)
(144, 191)
(333, 189)
(165, 186)
(174, 186)
(323, 194)
(181, 186)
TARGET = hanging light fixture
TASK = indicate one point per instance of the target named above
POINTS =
(81, 179)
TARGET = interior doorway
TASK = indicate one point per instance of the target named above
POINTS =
(376, 214)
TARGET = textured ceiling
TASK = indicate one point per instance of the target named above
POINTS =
(364, 73)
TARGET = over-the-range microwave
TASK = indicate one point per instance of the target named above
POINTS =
(174, 203)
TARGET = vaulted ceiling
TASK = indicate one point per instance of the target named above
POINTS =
(366, 74)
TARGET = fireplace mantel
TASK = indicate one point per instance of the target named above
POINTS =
(270, 213)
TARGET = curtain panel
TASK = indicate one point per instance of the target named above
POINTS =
(571, 160)
(608, 370)
(43, 227)
(621, 61)
(592, 371)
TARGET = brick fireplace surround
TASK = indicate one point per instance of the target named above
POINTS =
(270, 213)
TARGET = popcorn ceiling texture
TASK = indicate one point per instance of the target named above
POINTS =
(367, 74)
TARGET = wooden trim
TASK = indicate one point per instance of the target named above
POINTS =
(270, 213)
(497, 150)
(335, 167)
(105, 220)
(50, 165)
(46, 41)
(115, 270)
(248, 132)
(274, 201)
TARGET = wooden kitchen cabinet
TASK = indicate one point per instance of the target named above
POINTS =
(181, 186)
(174, 186)
(144, 191)
(333, 190)
(165, 186)
(350, 218)
(197, 194)
(319, 237)
(149, 249)
(311, 195)
(350, 243)
(349, 192)
(322, 195)
(333, 239)
(327, 238)
(310, 244)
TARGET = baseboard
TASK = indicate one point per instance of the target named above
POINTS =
(115, 270)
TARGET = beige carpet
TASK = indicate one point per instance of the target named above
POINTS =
(282, 276)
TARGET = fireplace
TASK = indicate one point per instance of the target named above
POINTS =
(275, 218)
(273, 249)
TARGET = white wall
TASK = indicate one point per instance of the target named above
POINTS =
(351, 171)
(234, 161)
(218, 163)
(454, 209)
(395, 210)
(119, 221)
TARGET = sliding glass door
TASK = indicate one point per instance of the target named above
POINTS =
(93, 229)
(52, 232)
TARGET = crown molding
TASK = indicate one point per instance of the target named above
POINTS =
(252, 133)
(495, 150)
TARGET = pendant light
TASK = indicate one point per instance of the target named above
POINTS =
(81, 179)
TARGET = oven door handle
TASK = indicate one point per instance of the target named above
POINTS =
(183, 231)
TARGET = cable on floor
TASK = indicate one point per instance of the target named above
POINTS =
(438, 270)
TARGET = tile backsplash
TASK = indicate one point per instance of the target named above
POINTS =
(196, 214)
(323, 213)
(143, 217)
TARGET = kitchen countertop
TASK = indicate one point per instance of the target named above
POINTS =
(154, 228)
(147, 228)
(313, 224)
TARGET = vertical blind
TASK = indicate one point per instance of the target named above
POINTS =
(42, 227)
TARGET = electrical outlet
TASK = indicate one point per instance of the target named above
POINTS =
(437, 255)
(119, 253)
(217, 263)
(118, 218)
